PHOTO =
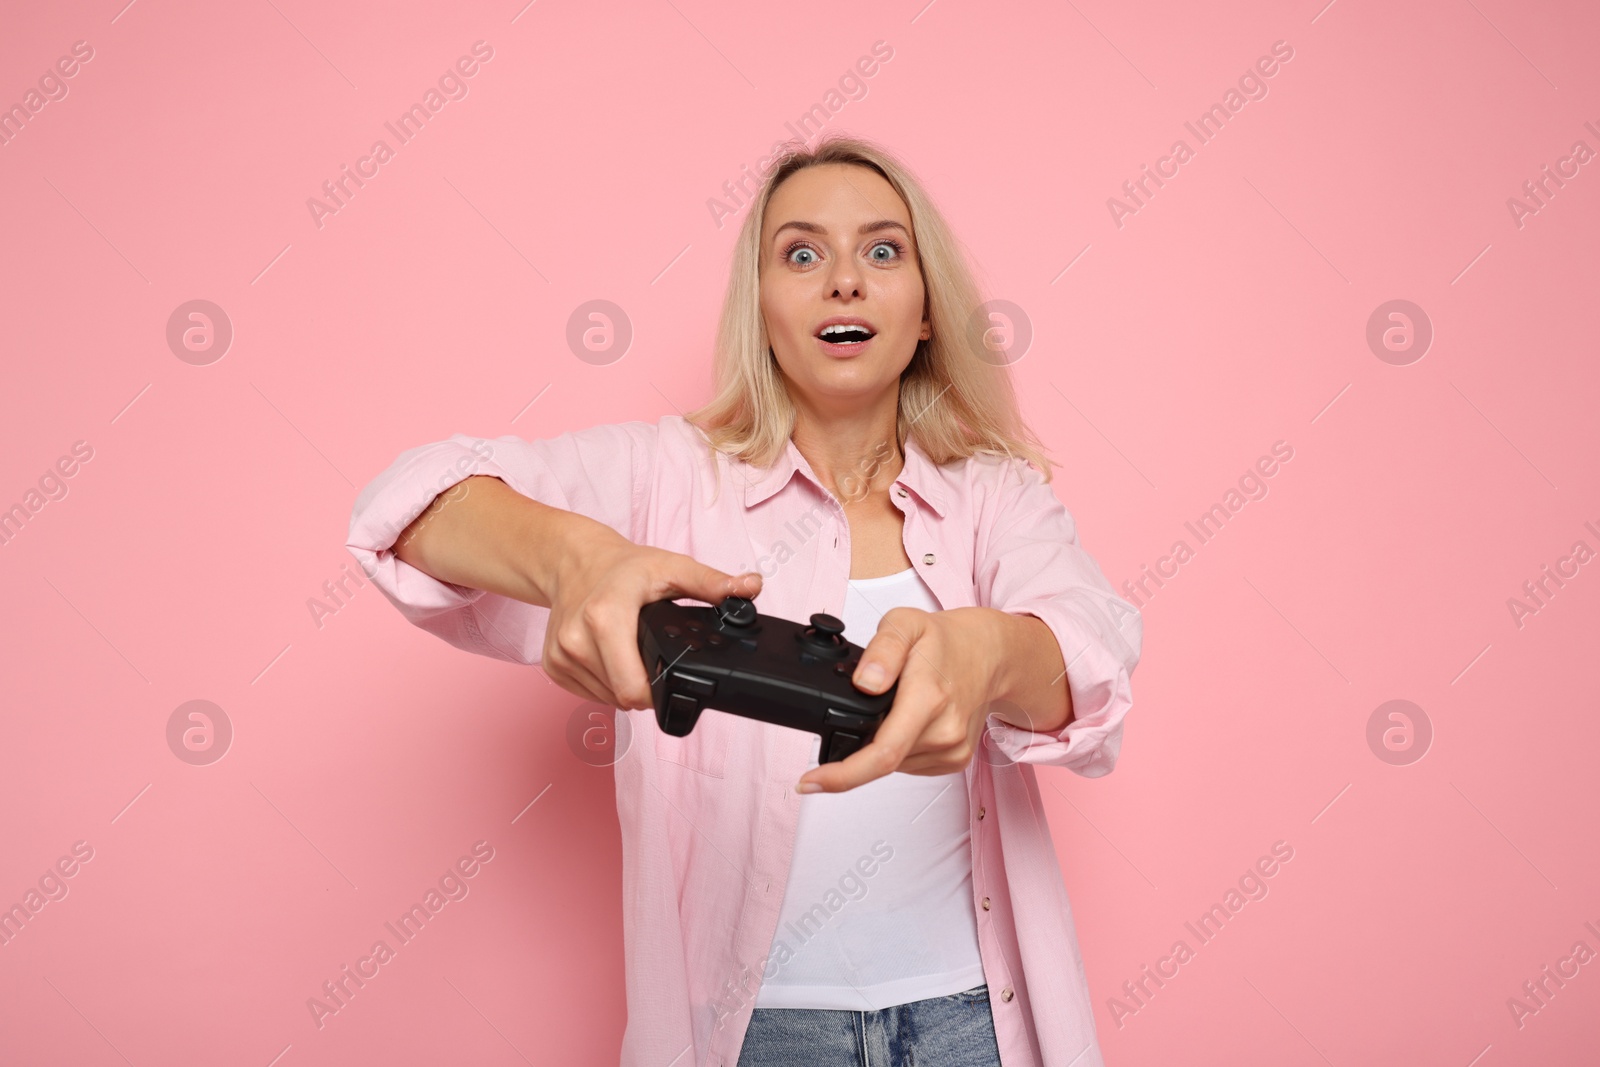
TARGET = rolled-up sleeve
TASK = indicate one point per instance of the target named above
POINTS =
(1029, 562)
(603, 472)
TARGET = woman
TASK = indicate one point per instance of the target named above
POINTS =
(864, 457)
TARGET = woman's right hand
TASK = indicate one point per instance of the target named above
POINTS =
(591, 645)
(594, 581)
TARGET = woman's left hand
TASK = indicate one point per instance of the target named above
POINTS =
(948, 664)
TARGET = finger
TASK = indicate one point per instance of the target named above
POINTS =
(573, 675)
(624, 668)
(930, 764)
(913, 709)
(936, 752)
(579, 689)
(885, 656)
(588, 685)
(688, 577)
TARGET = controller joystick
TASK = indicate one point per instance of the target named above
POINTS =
(825, 636)
(736, 611)
(733, 659)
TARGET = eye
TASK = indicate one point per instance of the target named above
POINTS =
(899, 249)
(788, 253)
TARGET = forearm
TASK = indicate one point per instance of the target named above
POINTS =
(1031, 677)
(482, 534)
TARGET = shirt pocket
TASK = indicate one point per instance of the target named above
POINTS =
(704, 751)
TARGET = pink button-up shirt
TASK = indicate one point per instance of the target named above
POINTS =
(708, 821)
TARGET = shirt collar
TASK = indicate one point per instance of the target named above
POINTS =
(919, 474)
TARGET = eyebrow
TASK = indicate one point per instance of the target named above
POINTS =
(866, 228)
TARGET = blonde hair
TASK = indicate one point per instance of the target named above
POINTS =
(954, 397)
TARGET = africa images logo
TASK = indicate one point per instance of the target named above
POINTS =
(452, 85)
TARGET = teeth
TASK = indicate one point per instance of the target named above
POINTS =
(831, 330)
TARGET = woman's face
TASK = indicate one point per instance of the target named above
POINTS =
(836, 243)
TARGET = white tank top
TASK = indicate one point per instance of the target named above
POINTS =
(878, 908)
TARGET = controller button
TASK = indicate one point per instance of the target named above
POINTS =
(716, 640)
(842, 745)
(695, 625)
(747, 643)
(736, 611)
(807, 658)
(841, 668)
(704, 688)
(694, 644)
(672, 629)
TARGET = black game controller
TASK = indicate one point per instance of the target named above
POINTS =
(731, 658)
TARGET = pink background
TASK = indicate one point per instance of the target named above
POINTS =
(1228, 313)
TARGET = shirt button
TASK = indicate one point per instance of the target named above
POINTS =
(1006, 994)
(928, 559)
(980, 811)
(985, 903)
(899, 491)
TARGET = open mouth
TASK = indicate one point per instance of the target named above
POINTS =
(845, 335)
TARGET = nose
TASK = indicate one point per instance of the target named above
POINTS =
(844, 278)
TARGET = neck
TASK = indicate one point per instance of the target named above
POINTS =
(854, 456)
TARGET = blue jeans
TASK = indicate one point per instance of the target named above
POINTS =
(952, 1031)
